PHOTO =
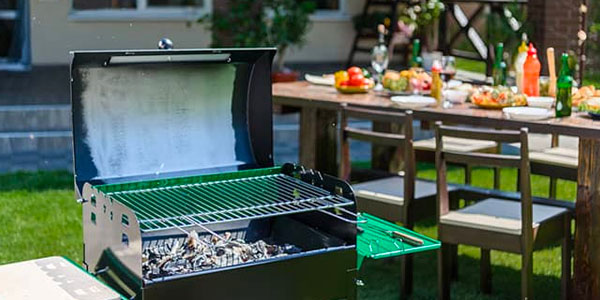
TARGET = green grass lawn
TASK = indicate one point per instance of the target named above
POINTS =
(39, 217)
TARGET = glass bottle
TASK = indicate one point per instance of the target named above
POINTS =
(564, 85)
(499, 70)
(417, 60)
(436, 82)
(380, 57)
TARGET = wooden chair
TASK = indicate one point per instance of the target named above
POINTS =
(395, 198)
(425, 151)
(555, 162)
(511, 226)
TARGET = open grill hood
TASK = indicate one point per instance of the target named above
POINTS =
(142, 115)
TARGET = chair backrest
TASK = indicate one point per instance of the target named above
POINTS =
(403, 141)
(521, 162)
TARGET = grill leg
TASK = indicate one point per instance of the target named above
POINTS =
(486, 271)
(407, 276)
(407, 271)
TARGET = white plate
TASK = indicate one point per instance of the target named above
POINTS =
(414, 101)
(544, 102)
(320, 80)
(527, 113)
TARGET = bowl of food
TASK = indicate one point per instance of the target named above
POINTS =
(543, 102)
(352, 81)
(456, 96)
(407, 82)
(592, 107)
(497, 98)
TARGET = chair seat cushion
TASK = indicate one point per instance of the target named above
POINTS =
(391, 190)
(499, 215)
(558, 156)
(456, 144)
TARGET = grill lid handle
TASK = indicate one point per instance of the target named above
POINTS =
(165, 44)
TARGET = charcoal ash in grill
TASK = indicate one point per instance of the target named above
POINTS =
(173, 257)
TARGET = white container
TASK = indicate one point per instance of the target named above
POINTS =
(524, 113)
(456, 96)
(543, 102)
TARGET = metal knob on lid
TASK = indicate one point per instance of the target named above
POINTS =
(165, 44)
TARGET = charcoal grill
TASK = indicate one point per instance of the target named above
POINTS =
(173, 141)
(173, 144)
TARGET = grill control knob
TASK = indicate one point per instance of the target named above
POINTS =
(165, 44)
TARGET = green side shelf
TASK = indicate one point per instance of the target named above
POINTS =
(382, 239)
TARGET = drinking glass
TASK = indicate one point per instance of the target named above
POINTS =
(448, 72)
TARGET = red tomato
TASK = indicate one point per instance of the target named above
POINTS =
(356, 79)
(345, 83)
(354, 71)
(366, 81)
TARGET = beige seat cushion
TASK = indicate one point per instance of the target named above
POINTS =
(558, 156)
(499, 215)
(456, 144)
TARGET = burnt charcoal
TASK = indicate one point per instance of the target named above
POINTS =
(178, 256)
(290, 249)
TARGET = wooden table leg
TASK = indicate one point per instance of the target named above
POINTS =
(586, 279)
(308, 142)
(318, 140)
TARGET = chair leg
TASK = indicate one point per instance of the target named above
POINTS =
(485, 267)
(444, 272)
(566, 248)
(468, 170)
(518, 181)
(527, 275)
(553, 182)
(496, 178)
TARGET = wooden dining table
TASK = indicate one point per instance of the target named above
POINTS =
(319, 109)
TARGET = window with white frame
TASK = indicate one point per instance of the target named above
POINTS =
(135, 4)
(92, 10)
(329, 9)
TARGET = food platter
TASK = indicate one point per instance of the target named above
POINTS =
(497, 98)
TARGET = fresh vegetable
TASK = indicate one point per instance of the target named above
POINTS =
(354, 71)
(341, 76)
(366, 73)
(357, 79)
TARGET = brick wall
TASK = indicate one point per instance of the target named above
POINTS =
(555, 23)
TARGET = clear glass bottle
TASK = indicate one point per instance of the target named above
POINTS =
(380, 57)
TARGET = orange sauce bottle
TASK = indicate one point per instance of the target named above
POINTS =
(531, 73)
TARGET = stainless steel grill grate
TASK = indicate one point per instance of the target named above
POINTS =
(226, 200)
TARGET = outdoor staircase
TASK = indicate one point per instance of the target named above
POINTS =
(35, 137)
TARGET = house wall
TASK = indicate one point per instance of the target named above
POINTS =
(54, 34)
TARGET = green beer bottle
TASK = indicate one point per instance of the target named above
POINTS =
(417, 60)
(499, 70)
(563, 88)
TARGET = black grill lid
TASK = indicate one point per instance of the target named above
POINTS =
(163, 113)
